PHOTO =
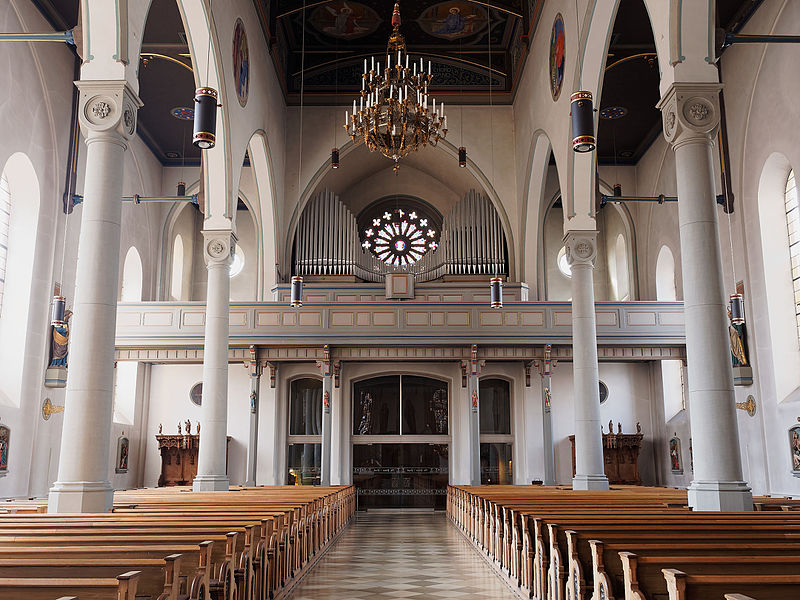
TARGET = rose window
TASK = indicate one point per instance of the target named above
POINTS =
(400, 238)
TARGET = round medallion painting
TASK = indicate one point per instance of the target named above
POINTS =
(241, 62)
(557, 57)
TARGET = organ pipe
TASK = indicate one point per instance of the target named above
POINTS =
(327, 242)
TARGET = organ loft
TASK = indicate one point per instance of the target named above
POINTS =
(294, 292)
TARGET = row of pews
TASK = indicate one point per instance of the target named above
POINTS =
(171, 544)
(630, 543)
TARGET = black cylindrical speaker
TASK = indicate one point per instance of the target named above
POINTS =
(582, 114)
(297, 292)
(737, 309)
(617, 190)
(335, 158)
(59, 309)
(496, 292)
(205, 118)
(462, 157)
(181, 188)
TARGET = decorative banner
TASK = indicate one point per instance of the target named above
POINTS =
(241, 62)
(345, 20)
(453, 20)
(675, 460)
(5, 439)
(794, 448)
(123, 444)
(557, 56)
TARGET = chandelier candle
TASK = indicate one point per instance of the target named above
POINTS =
(392, 115)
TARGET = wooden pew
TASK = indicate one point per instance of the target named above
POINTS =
(122, 587)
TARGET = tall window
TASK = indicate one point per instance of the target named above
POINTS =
(5, 222)
(176, 287)
(495, 430)
(793, 231)
(305, 431)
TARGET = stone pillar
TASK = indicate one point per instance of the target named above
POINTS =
(547, 419)
(691, 116)
(327, 394)
(589, 466)
(107, 117)
(211, 460)
(255, 368)
(472, 368)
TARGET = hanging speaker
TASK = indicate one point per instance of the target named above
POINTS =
(496, 292)
(462, 157)
(737, 309)
(59, 310)
(181, 188)
(297, 292)
(335, 158)
(617, 190)
(205, 118)
(582, 114)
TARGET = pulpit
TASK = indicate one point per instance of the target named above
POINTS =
(620, 456)
(179, 458)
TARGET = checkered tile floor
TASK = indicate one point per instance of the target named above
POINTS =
(401, 555)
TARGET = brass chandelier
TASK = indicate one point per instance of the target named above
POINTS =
(393, 114)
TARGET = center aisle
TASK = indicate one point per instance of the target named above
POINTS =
(401, 555)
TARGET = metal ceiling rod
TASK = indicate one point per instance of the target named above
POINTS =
(660, 199)
(59, 36)
(77, 199)
(742, 38)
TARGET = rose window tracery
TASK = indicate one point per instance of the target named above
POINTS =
(399, 237)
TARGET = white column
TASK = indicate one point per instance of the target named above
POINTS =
(255, 368)
(327, 397)
(691, 117)
(108, 119)
(473, 389)
(547, 418)
(589, 467)
(211, 460)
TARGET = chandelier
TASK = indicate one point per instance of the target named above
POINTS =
(393, 114)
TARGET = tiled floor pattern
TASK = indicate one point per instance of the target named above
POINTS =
(401, 555)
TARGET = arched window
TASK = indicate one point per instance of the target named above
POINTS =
(496, 443)
(5, 223)
(671, 370)
(176, 287)
(131, 277)
(623, 277)
(125, 379)
(19, 224)
(793, 231)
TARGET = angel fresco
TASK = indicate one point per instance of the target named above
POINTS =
(345, 20)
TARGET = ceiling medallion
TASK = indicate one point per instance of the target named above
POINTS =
(613, 112)
(393, 114)
(184, 113)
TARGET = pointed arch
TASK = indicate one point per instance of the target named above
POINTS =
(132, 279)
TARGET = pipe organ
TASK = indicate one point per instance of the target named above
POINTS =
(327, 243)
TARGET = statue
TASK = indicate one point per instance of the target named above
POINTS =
(179, 428)
(59, 344)
(619, 428)
(160, 429)
(738, 342)
(198, 428)
(638, 427)
(188, 427)
(610, 426)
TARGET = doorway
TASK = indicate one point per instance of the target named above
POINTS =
(401, 442)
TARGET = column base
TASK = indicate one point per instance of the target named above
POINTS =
(210, 483)
(590, 482)
(720, 496)
(80, 497)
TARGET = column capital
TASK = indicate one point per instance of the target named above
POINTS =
(581, 247)
(107, 109)
(690, 112)
(218, 246)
